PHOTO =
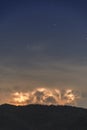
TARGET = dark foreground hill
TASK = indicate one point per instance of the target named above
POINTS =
(37, 117)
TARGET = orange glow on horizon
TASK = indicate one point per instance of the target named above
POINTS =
(44, 96)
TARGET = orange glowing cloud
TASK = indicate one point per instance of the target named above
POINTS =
(45, 96)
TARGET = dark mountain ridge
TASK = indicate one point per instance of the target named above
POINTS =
(41, 117)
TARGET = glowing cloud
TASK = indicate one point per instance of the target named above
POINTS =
(20, 98)
(45, 96)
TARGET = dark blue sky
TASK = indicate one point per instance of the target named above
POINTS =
(43, 43)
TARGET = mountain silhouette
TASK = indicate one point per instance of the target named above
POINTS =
(41, 117)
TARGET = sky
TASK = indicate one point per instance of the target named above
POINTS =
(43, 44)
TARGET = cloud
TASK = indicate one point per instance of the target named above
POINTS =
(44, 96)
(50, 100)
(48, 74)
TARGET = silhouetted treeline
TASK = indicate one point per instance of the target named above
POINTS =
(38, 117)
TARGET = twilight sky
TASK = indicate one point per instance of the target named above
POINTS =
(43, 44)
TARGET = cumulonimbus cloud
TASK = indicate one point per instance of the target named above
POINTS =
(45, 96)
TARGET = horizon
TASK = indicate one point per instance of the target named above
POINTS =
(43, 105)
